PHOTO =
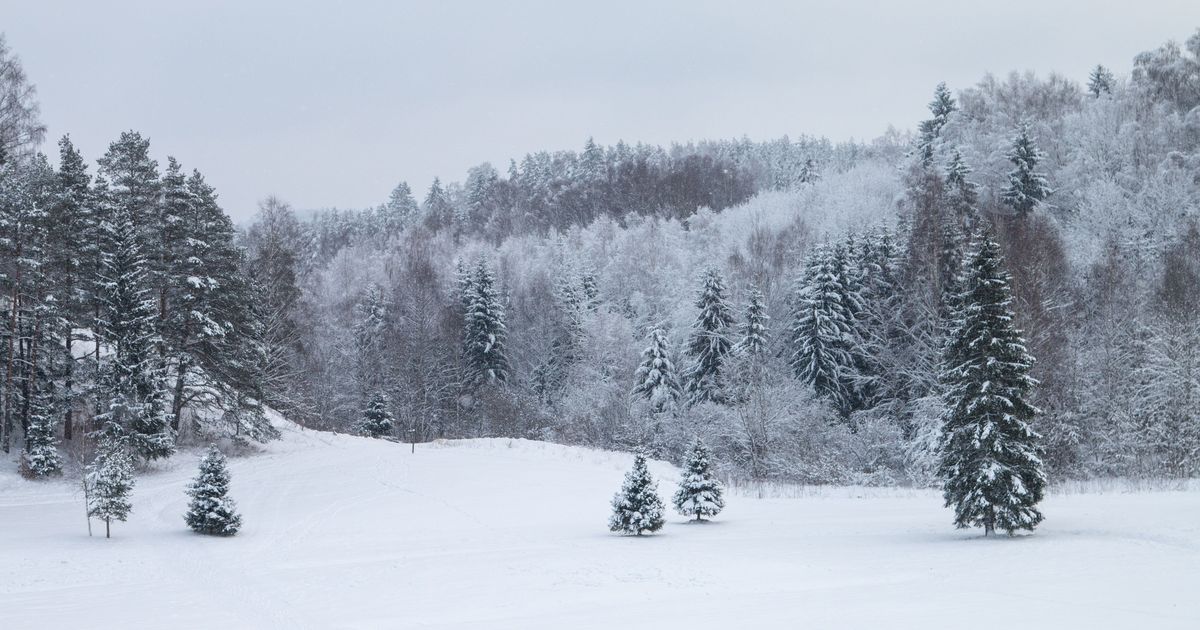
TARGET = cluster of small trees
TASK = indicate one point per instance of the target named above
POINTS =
(637, 508)
(109, 483)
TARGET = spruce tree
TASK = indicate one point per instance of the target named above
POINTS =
(110, 481)
(990, 462)
(1100, 81)
(1027, 187)
(709, 343)
(70, 225)
(655, 380)
(484, 340)
(637, 507)
(755, 330)
(132, 396)
(699, 493)
(376, 420)
(40, 458)
(930, 130)
(821, 333)
(211, 511)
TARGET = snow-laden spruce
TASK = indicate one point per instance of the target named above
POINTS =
(40, 458)
(485, 334)
(376, 420)
(709, 343)
(825, 344)
(637, 508)
(655, 379)
(109, 481)
(211, 511)
(1027, 186)
(990, 465)
(699, 493)
(755, 330)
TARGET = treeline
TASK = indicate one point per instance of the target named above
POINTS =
(800, 332)
(128, 316)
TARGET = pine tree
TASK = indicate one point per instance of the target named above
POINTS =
(484, 341)
(376, 420)
(1100, 81)
(655, 379)
(962, 194)
(821, 333)
(132, 405)
(110, 481)
(990, 465)
(637, 507)
(709, 343)
(370, 316)
(401, 209)
(1027, 187)
(755, 330)
(941, 107)
(211, 511)
(40, 458)
(699, 492)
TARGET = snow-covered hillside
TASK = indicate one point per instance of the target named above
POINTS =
(345, 532)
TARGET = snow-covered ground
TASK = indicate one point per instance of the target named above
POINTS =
(343, 532)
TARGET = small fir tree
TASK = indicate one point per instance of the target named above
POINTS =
(110, 481)
(376, 419)
(484, 341)
(699, 493)
(990, 461)
(211, 511)
(637, 507)
(1027, 187)
(821, 333)
(655, 379)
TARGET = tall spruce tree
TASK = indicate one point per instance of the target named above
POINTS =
(131, 397)
(821, 349)
(990, 463)
(40, 458)
(699, 492)
(637, 508)
(484, 345)
(70, 224)
(211, 511)
(709, 343)
(1027, 186)
(930, 130)
(655, 380)
(109, 482)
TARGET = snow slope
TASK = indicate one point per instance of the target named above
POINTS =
(343, 532)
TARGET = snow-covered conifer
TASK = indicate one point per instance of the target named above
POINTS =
(699, 492)
(637, 508)
(376, 420)
(1027, 186)
(990, 456)
(40, 458)
(1100, 81)
(211, 511)
(755, 330)
(941, 107)
(709, 342)
(484, 342)
(821, 332)
(655, 379)
(110, 481)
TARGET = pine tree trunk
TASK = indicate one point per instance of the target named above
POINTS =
(177, 399)
(107, 528)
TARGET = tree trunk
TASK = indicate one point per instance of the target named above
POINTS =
(68, 386)
(107, 529)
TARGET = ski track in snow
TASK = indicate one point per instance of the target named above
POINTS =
(344, 532)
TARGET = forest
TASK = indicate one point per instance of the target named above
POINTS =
(792, 302)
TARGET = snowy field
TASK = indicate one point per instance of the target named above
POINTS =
(343, 532)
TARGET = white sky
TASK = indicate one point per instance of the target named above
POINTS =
(332, 104)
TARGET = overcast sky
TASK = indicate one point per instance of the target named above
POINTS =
(331, 104)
